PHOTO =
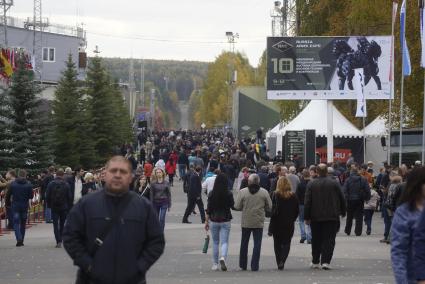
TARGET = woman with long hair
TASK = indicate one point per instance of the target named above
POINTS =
(220, 201)
(160, 194)
(284, 214)
(404, 225)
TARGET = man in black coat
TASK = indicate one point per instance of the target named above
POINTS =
(59, 198)
(194, 195)
(113, 235)
(323, 205)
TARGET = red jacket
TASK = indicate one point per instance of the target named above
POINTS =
(170, 167)
(147, 168)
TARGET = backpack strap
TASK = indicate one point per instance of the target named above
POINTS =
(111, 222)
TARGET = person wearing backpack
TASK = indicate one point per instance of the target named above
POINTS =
(58, 198)
(356, 190)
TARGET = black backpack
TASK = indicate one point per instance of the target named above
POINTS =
(58, 197)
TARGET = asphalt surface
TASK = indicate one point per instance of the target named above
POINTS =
(356, 259)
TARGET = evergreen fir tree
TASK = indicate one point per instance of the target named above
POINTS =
(5, 131)
(101, 110)
(73, 145)
(26, 122)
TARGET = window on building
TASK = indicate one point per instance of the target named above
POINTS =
(49, 54)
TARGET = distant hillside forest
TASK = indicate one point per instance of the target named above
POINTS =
(183, 76)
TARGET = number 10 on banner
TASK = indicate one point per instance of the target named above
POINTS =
(283, 65)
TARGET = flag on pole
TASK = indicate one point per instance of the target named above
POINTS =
(394, 17)
(407, 67)
(358, 83)
(422, 28)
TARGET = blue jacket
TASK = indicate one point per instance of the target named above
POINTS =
(402, 231)
(354, 186)
(21, 193)
(128, 250)
(419, 245)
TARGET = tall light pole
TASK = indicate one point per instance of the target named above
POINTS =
(231, 39)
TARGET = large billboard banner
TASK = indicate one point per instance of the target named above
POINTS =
(326, 68)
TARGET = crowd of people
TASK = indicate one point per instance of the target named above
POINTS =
(237, 175)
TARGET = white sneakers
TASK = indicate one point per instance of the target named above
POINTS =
(324, 266)
(223, 264)
(314, 266)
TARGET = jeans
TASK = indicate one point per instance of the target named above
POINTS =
(387, 222)
(354, 211)
(191, 202)
(323, 236)
(305, 230)
(171, 179)
(257, 234)
(182, 170)
(368, 214)
(161, 209)
(19, 221)
(59, 218)
(9, 213)
(220, 234)
(47, 213)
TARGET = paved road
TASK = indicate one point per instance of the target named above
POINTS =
(184, 114)
(356, 260)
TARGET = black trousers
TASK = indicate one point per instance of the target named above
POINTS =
(354, 211)
(191, 203)
(281, 250)
(323, 236)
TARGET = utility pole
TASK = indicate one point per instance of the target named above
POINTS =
(142, 82)
(152, 109)
(131, 89)
(6, 4)
(285, 20)
(231, 39)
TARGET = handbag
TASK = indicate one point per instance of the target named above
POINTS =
(206, 244)
(274, 211)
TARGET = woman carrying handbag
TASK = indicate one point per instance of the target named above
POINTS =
(284, 214)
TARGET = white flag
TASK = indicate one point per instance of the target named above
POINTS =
(358, 84)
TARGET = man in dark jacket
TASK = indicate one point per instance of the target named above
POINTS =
(20, 193)
(300, 193)
(264, 178)
(49, 176)
(113, 235)
(194, 195)
(357, 191)
(323, 204)
(58, 199)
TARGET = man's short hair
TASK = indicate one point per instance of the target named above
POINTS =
(292, 170)
(322, 170)
(253, 179)
(198, 169)
(60, 172)
(51, 169)
(119, 159)
(68, 171)
(22, 173)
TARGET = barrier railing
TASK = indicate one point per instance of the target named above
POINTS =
(35, 212)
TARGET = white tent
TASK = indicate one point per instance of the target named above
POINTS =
(374, 150)
(376, 128)
(314, 117)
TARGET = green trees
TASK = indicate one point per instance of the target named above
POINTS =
(89, 121)
(24, 129)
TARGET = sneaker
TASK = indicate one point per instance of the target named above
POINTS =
(186, 222)
(314, 266)
(214, 267)
(368, 233)
(309, 242)
(302, 241)
(19, 243)
(326, 266)
(58, 245)
(383, 241)
(223, 264)
(281, 265)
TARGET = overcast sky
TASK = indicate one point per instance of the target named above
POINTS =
(162, 29)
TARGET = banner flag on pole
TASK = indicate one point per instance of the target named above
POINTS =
(394, 17)
(422, 28)
(358, 83)
(407, 67)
